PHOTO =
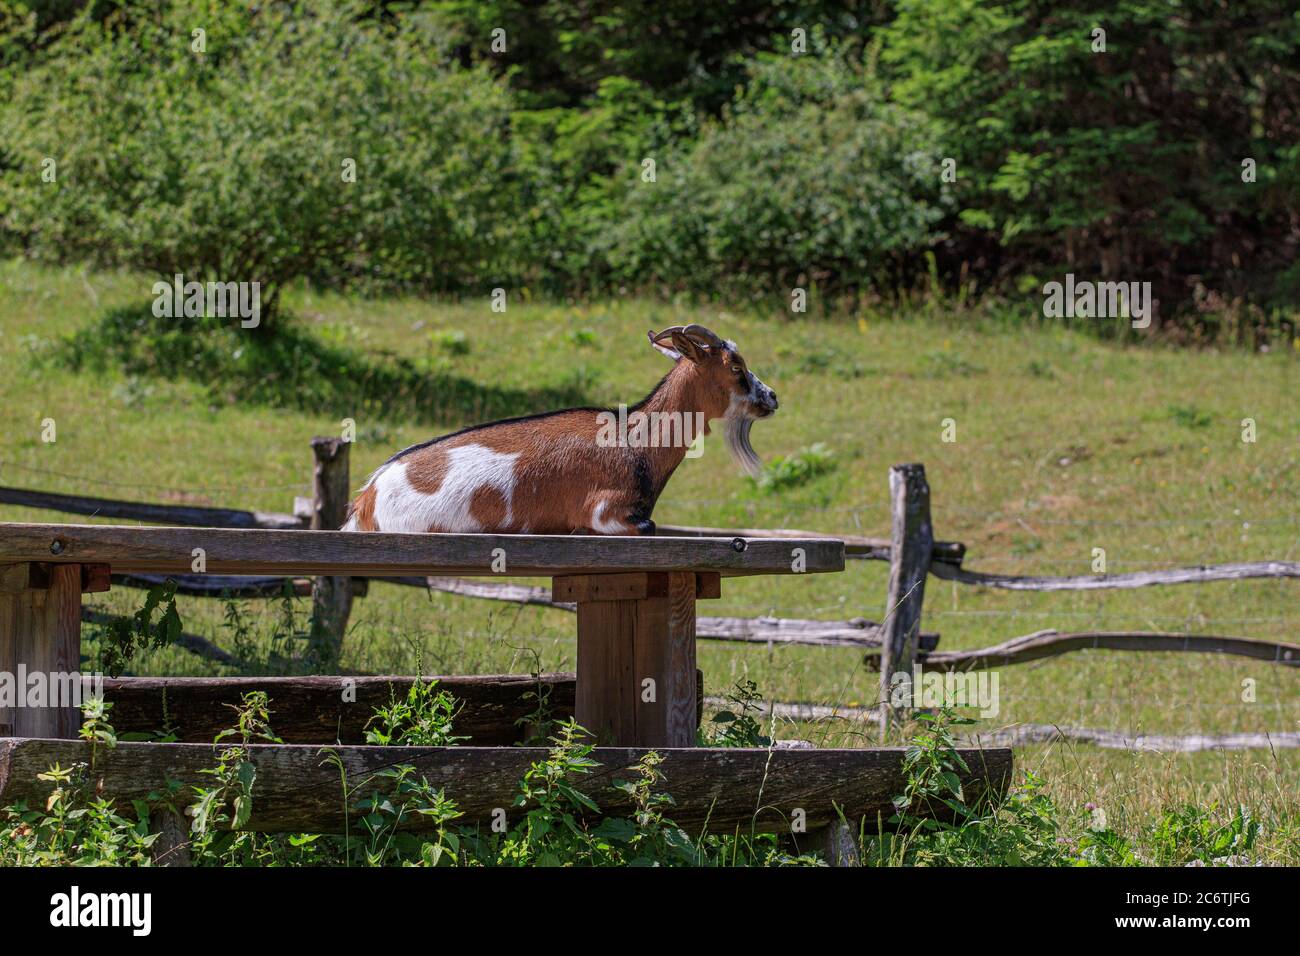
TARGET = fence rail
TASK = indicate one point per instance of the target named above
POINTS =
(1138, 579)
(1021, 734)
(1043, 644)
(190, 515)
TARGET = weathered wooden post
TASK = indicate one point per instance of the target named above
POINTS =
(910, 547)
(40, 640)
(637, 680)
(331, 596)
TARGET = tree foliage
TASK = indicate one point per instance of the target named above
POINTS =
(504, 143)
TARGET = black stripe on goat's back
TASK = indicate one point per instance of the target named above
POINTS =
(486, 425)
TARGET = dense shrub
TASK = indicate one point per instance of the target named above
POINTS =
(577, 184)
(1124, 163)
(230, 163)
(811, 175)
(680, 51)
(480, 165)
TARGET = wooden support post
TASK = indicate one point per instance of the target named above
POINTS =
(636, 654)
(911, 546)
(40, 634)
(172, 848)
(331, 596)
(837, 842)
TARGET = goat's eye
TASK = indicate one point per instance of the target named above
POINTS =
(736, 368)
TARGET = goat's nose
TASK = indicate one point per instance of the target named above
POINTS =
(772, 398)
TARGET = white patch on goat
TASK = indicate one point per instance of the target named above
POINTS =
(399, 507)
(601, 526)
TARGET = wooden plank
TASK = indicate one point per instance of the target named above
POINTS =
(911, 549)
(1023, 734)
(855, 545)
(297, 789)
(27, 576)
(624, 587)
(324, 710)
(138, 511)
(606, 695)
(40, 634)
(170, 550)
(1042, 644)
(708, 586)
(15, 619)
(631, 586)
(664, 651)
(1239, 571)
(96, 578)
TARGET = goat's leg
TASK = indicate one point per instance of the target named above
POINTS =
(616, 513)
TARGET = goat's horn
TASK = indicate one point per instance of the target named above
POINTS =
(704, 336)
(666, 333)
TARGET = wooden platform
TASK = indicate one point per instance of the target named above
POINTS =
(259, 551)
(635, 597)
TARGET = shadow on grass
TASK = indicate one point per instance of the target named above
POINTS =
(292, 368)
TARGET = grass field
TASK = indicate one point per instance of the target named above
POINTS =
(1064, 444)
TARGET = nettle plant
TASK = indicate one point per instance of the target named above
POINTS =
(78, 825)
(423, 718)
(228, 804)
(126, 637)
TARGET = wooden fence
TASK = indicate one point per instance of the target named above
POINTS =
(892, 645)
(636, 687)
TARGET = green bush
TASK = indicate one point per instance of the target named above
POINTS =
(811, 176)
(232, 164)
(795, 470)
(1123, 163)
(576, 187)
(521, 167)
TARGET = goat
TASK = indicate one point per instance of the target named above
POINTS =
(579, 470)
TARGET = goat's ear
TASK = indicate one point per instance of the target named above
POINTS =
(689, 348)
(671, 353)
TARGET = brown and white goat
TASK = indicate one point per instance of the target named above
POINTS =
(580, 470)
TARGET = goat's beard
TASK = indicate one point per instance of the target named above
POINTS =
(736, 433)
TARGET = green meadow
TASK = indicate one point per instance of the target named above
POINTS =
(1064, 443)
